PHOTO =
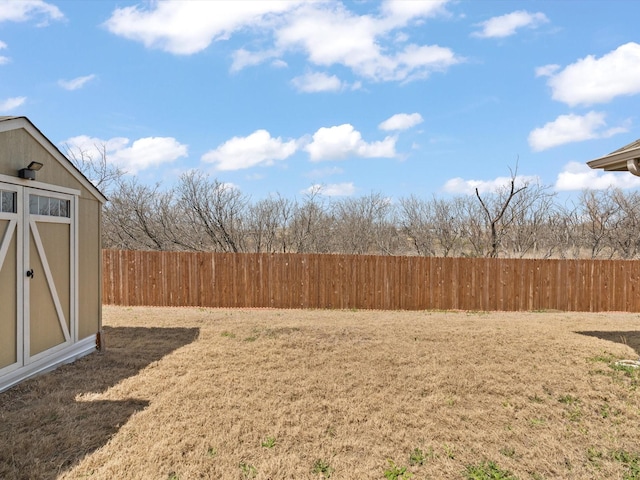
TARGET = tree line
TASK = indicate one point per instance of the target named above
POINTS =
(518, 220)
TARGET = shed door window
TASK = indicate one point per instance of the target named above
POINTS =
(49, 206)
(7, 202)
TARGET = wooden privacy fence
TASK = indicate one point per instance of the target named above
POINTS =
(367, 282)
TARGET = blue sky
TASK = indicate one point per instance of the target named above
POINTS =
(428, 97)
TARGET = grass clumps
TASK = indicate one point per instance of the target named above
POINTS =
(248, 470)
(623, 372)
(508, 452)
(568, 399)
(631, 461)
(211, 452)
(269, 442)
(416, 457)
(322, 467)
(488, 470)
(396, 472)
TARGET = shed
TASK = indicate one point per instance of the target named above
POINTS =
(50, 255)
(625, 159)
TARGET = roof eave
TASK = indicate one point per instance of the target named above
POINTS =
(615, 161)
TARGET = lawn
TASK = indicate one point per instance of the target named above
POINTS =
(309, 394)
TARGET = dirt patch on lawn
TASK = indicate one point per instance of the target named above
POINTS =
(272, 394)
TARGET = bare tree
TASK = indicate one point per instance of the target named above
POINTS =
(266, 224)
(175, 224)
(560, 235)
(474, 233)
(129, 218)
(285, 209)
(361, 224)
(203, 214)
(416, 220)
(494, 209)
(597, 218)
(448, 217)
(623, 235)
(311, 226)
(214, 209)
(96, 167)
(388, 239)
(527, 214)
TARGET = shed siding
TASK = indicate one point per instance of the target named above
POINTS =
(19, 149)
(90, 267)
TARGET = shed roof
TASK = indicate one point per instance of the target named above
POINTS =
(618, 160)
(8, 123)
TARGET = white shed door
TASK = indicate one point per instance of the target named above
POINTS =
(49, 272)
(37, 242)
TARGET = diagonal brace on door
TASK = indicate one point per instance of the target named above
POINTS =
(49, 277)
(4, 245)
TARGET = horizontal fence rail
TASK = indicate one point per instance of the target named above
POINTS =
(253, 280)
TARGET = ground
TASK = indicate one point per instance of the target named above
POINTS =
(187, 393)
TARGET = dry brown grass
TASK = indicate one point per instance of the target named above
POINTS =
(195, 393)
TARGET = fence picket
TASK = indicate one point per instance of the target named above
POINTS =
(369, 282)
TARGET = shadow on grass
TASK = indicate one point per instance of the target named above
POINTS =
(44, 431)
(630, 338)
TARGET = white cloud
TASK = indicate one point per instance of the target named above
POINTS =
(332, 189)
(317, 82)
(279, 63)
(3, 60)
(244, 58)
(333, 143)
(11, 103)
(149, 152)
(23, 10)
(185, 28)
(400, 12)
(76, 83)
(459, 185)
(578, 176)
(547, 70)
(324, 172)
(335, 36)
(92, 147)
(593, 80)
(419, 62)
(326, 32)
(401, 121)
(228, 186)
(131, 157)
(571, 128)
(259, 148)
(506, 25)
